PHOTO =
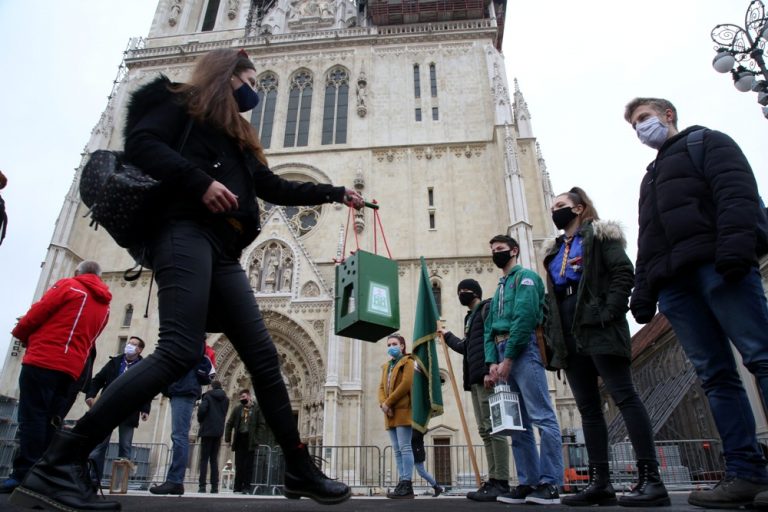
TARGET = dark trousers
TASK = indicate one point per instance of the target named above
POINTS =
(197, 280)
(243, 463)
(209, 454)
(44, 399)
(582, 373)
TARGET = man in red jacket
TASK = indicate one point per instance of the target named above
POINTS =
(58, 332)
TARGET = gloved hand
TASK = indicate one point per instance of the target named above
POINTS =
(733, 271)
(643, 307)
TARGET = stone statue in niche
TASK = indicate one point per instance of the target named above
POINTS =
(286, 286)
(362, 95)
(174, 12)
(255, 275)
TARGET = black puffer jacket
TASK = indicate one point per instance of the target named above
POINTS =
(155, 124)
(688, 217)
(472, 346)
(212, 413)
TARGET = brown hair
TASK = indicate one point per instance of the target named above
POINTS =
(209, 97)
(579, 197)
(660, 105)
(399, 338)
(504, 239)
(3, 180)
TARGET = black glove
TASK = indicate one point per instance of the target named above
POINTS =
(733, 271)
(643, 308)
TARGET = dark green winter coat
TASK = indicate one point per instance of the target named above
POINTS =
(600, 322)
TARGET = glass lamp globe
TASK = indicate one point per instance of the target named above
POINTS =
(743, 81)
(723, 62)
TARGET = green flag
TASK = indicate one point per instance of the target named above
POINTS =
(426, 394)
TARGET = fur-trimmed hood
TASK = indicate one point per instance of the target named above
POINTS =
(603, 230)
(144, 98)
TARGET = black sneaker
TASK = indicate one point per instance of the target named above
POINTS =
(516, 495)
(489, 491)
(168, 488)
(544, 494)
(438, 491)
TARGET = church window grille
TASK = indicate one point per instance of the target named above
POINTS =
(418, 114)
(435, 114)
(431, 196)
(416, 81)
(299, 108)
(432, 220)
(263, 115)
(211, 11)
(336, 107)
(128, 315)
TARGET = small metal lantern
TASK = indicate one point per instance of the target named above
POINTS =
(121, 471)
(506, 416)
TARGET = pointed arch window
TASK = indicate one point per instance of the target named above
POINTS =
(416, 81)
(263, 115)
(299, 108)
(211, 11)
(128, 315)
(433, 80)
(336, 107)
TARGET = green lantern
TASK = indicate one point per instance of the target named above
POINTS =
(367, 300)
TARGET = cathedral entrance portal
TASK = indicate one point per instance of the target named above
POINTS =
(302, 366)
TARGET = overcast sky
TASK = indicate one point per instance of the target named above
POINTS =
(577, 64)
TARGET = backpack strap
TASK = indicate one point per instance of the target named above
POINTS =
(695, 145)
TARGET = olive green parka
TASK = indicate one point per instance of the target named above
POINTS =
(600, 322)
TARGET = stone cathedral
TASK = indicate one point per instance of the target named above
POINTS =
(407, 102)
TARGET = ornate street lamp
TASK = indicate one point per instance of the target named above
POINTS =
(742, 51)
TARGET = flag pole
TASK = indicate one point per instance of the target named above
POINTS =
(461, 407)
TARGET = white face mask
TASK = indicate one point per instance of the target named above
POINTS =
(652, 132)
(130, 350)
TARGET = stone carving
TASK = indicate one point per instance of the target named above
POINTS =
(232, 8)
(362, 95)
(175, 11)
(271, 268)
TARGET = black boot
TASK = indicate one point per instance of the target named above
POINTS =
(649, 491)
(403, 491)
(304, 479)
(169, 488)
(598, 492)
(438, 491)
(61, 479)
(214, 488)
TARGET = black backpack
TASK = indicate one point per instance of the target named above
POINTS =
(695, 145)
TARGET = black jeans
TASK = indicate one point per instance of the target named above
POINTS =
(197, 281)
(244, 458)
(582, 373)
(45, 398)
(209, 454)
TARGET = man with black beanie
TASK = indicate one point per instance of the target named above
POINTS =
(479, 384)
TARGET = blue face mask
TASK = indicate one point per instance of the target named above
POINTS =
(652, 132)
(246, 98)
(393, 352)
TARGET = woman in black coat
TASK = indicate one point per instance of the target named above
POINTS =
(210, 214)
(589, 275)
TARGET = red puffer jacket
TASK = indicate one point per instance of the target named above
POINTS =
(60, 329)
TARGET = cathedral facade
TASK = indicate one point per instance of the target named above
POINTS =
(408, 103)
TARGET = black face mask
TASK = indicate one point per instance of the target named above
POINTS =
(466, 298)
(563, 217)
(501, 258)
(244, 401)
(246, 98)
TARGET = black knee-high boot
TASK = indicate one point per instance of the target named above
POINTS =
(60, 479)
